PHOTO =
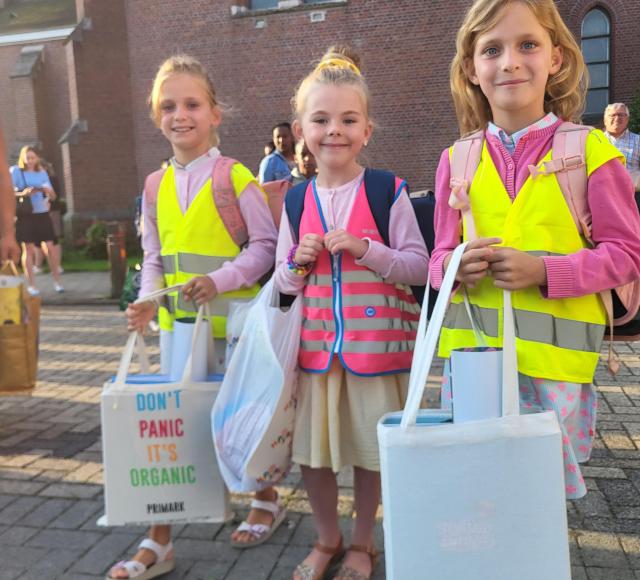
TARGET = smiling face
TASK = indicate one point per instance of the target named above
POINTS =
(187, 116)
(335, 126)
(512, 63)
(616, 120)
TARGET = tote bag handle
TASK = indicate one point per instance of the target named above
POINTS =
(136, 342)
(426, 346)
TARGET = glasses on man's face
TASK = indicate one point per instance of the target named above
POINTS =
(618, 115)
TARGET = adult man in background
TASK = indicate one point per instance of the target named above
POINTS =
(278, 165)
(616, 122)
(9, 249)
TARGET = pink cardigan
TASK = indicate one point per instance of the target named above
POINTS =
(615, 228)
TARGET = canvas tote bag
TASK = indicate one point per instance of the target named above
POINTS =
(482, 499)
(159, 461)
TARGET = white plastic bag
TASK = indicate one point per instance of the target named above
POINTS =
(252, 419)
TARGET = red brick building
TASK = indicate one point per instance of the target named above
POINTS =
(88, 90)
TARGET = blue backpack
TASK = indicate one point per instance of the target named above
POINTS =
(381, 193)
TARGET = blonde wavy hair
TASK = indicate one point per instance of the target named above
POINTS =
(182, 64)
(566, 90)
(339, 66)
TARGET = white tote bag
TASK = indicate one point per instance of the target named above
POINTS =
(252, 419)
(481, 500)
(159, 461)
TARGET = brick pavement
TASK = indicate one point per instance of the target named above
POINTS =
(51, 476)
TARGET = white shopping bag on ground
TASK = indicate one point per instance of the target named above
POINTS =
(159, 460)
(481, 500)
(252, 419)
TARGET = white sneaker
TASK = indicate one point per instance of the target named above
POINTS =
(61, 270)
(33, 291)
(58, 287)
(37, 270)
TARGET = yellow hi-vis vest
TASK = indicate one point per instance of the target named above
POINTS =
(557, 339)
(194, 244)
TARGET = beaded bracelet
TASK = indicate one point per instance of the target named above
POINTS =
(298, 269)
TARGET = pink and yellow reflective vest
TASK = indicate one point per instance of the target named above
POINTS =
(348, 309)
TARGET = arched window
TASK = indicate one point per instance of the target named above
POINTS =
(596, 42)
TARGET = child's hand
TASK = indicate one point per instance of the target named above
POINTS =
(308, 249)
(513, 270)
(200, 290)
(474, 265)
(139, 315)
(341, 240)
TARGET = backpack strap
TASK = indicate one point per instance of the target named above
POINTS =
(152, 183)
(464, 162)
(569, 164)
(226, 200)
(382, 192)
(294, 206)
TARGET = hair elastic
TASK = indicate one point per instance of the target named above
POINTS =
(336, 62)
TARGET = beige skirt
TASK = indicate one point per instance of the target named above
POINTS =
(337, 415)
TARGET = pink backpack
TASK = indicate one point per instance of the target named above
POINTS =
(226, 199)
(568, 163)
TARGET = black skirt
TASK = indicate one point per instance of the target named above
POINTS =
(35, 228)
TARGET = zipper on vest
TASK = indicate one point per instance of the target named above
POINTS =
(337, 301)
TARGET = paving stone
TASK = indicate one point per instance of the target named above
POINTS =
(578, 573)
(256, 563)
(79, 512)
(602, 550)
(17, 535)
(105, 553)
(71, 490)
(604, 472)
(46, 511)
(19, 509)
(64, 539)
(189, 549)
(593, 504)
(620, 492)
(201, 531)
(606, 574)
(53, 565)
(210, 571)
(20, 557)
(10, 573)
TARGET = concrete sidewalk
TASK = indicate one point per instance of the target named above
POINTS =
(80, 288)
(51, 476)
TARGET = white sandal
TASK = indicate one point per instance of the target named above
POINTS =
(139, 571)
(260, 533)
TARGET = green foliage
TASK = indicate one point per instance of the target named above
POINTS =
(96, 235)
(634, 112)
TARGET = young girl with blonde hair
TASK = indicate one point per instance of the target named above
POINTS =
(359, 316)
(517, 75)
(185, 239)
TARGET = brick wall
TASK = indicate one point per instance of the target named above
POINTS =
(102, 168)
(406, 47)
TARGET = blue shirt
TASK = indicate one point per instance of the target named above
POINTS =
(274, 167)
(23, 178)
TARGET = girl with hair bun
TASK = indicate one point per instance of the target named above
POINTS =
(359, 315)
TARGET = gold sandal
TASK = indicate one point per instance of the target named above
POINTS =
(306, 572)
(349, 573)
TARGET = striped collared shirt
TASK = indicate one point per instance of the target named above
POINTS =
(629, 145)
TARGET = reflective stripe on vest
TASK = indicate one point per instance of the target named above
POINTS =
(194, 244)
(349, 309)
(557, 339)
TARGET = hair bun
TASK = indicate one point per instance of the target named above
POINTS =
(342, 52)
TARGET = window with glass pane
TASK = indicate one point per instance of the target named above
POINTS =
(262, 4)
(596, 40)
